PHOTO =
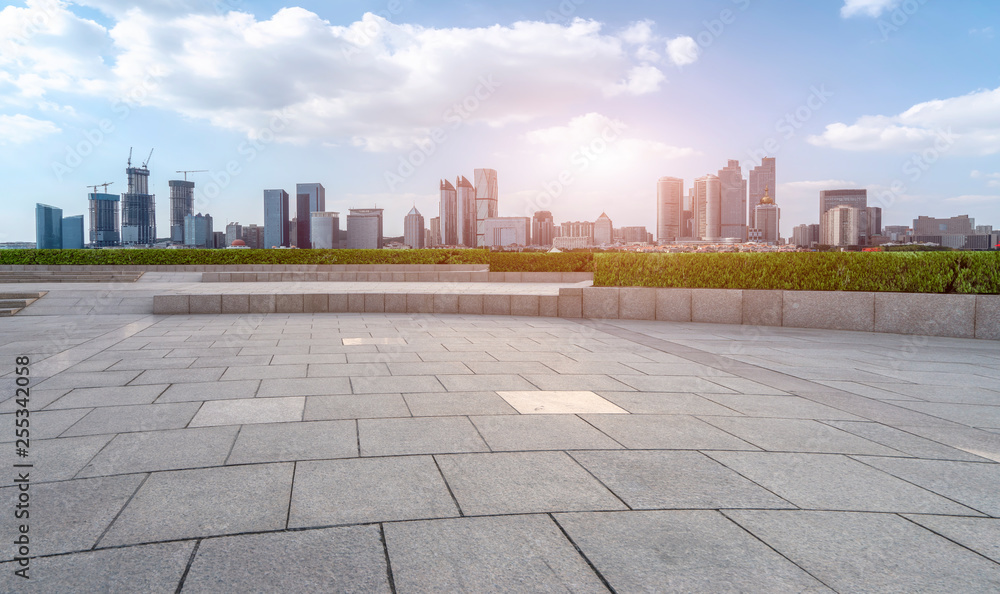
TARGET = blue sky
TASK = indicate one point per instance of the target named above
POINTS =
(580, 105)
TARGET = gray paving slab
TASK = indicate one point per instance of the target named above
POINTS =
(113, 396)
(477, 383)
(349, 559)
(904, 442)
(798, 435)
(523, 482)
(541, 432)
(162, 450)
(856, 552)
(675, 480)
(976, 485)
(57, 459)
(149, 568)
(284, 442)
(45, 424)
(355, 406)
(348, 369)
(504, 554)
(673, 383)
(90, 379)
(67, 516)
(781, 407)
(399, 384)
(427, 435)
(672, 432)
(558, 381)
(974, 441)
(249, 410)
(144, 364)
(39, 398)
(967, 414)
(351, 491)
(982, 535)
(262, 372)
(183, 504)
(681, 551)
(320, 386)
(124, 419)
(833, 482)
(667, 403)
(457, 403)
(209, 391)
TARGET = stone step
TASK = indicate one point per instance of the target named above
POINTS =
(16, 303)
(29, 295)
(8, 311)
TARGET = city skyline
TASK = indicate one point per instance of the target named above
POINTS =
(602, 103)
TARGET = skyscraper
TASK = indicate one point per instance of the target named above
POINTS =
(768, 217)
(309, 198)
(234, 231)
(466, 212)
(603, 230)
(198, 231)
(448, 214)
(324, 230)
(181, 205)
(72, 233)
(138, 209)
(275, 219)
(435, 230)
(733, 204)
(669, 209)
(487, 201)
(842, 225)
(542, 228)
(48, 227)
(507, 231)
(708, 207)
(763, 176)
(364, 229)
(829, 199)
(413, 229)
(104, 222)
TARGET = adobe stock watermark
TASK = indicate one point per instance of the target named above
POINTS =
(789, 125)
(917, 165)
(249, 150)
(581, 160)
(455, 116)
(899, 17)
(43, 13)
(563, 14)
(370, 30)
(76, 154)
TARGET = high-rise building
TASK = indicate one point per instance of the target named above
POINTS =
(253, 236)
(234, 231)
(48, 227)
(897, 232)
(309, 198)
(603, 230)
(317, 196)
(487, 201)
(413, 229)
(733, 202)
(708, 207)
(842, 226)
(275, 219)
(583, 229)
(104, 222)
(138, 209)
(466, 200)
(768, 217)
(72, 233)
(829, 199)
(507, 231)
(448, 211)
(435, 230)
(634, 235)
(218, 240)
(762, 177)
(669, 209)
(962, 225)
(198, 231)
(874, 226)
(364, 229)
(324, 230)
(181, 205)
(542, 228)
(293, 232)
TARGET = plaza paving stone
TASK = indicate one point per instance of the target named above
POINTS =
(372, 451)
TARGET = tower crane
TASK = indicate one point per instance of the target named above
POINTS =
(105, 186)
(191, 171)
(146, 162)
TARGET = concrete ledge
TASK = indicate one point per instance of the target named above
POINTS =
(835, 310)
(988, 317)
(356, 303)
(419, 303)
(289, 304)
(470, 304)
(445, 304)
(235, 304)
(926, 315)
(315, 303)
(395, 303)
(524, 305)
(673, 305)
(637, 303)
(762, 308)
(171, 304)
(337, 303)
(496, 305)
(548, 306)
(717, 306)
(374, 303)
(601, 303)
(262, 303)
(570, 303)
(206, 304)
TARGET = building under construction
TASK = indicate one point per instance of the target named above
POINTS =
(138, 207)
(104, 229)
(181, 205)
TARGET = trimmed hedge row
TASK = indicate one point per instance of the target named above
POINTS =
(223, 257)
(541, 262)
(927, 272)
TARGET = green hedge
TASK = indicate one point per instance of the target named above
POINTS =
(541, 262)
(926, 272)
(221, 257)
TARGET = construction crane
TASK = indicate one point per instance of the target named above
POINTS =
(191, 171)
(148, 159)
(105, 186)
(130, 157)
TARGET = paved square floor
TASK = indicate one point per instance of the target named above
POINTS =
(440, 453)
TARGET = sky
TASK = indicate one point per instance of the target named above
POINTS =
(579, 105)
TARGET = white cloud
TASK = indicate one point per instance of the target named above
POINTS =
(683, 51)
(973, 199)
(592, 127)
(639, 33)
(373, 83)
(871, 8)
(992, 179)
(967, 124)
(19, 129)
